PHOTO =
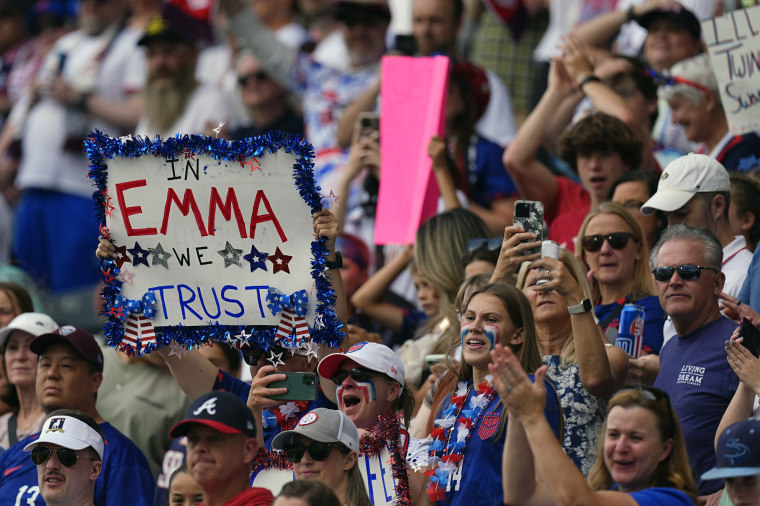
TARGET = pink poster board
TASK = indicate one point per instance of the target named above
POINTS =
(412, 110)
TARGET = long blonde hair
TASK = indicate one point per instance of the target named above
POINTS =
(567, 356)
(642, 284)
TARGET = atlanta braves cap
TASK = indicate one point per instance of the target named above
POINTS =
(220, 411)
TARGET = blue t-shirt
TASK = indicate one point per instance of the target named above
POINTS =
(654, 318)
(750, 292)
(661, 496)
(696, 376)
(125, 480)
(487, 180)
(477, 481)
(240, 388)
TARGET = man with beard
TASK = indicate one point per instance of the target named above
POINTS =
(174, 102)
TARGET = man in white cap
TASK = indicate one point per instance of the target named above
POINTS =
(69, 458)
(695, 190)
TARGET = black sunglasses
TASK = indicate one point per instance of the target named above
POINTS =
(259, 75)
(491, 244)
(317, 451)
(616, 240)
(686, 272)
(251, 356)
(358, 374)
(66, 456)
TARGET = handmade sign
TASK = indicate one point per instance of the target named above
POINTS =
(734, 48)
(214, 242)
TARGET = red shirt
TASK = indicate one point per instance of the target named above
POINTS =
(571, 205)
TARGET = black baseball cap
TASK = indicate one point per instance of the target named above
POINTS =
(676, 13)
(80, 339)
(219, 410)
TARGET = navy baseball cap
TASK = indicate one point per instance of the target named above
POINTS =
(220, 411)
(738, 451)
(676, 13)
(80, 339)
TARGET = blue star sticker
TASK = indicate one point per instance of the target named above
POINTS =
(257, 259)
(139, 255)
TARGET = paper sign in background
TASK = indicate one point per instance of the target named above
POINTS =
(413, 104)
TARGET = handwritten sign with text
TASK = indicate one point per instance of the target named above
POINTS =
(734, 47)
(214, 241)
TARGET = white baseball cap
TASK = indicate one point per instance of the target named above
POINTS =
(323, 425)
(683, 178)
(34, 323)
(69, 432)
(373, 356)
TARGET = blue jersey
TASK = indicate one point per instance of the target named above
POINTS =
(240, 388)
(477, 481)
(660, 495)
(125, 480)
(654, 319)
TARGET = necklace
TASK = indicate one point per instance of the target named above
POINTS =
(451, 433)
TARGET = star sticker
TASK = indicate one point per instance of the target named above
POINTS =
(139, 255)
(275, 358)
(126, 275)
(177, 351)
(188, 154)
(160, 256)
(279, 261)
(311, 349)
(116, 312)
(104, 233)
(253, 163)
(231, 256)
(257, 259)
(319, 322)
(333, 199)
(218, 129)
(416, 467)
(240, 339)
(125, 138)
(108, 276)
(122, 251)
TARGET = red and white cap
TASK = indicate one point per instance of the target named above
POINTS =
(373, 356)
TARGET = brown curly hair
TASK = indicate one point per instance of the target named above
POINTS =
(599, 132)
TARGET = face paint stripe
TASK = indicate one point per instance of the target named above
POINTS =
(368, 389)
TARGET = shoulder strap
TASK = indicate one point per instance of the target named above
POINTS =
(12, 435)
(616, 312)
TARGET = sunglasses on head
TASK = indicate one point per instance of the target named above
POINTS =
(66, 456)
(491, 244)
(686, 272)
(259, 76)
(317, 451)
(616, 240)
(654, 395)
(253, 355)
(358, 374)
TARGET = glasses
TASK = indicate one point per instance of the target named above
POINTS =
(259, 76)
(662, 79)
(253, 355)
(491, 244)
(616, 240)
(686, 272)
(66, 456)
(357, 374)
(317, 451)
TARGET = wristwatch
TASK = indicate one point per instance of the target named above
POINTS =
(584, 307)
(335, 264)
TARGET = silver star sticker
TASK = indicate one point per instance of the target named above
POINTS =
(318, 322)
(159, 256)
(311, 349)
(275, 358)
(177, 350)
(218, 129)
(231, 255)
(240, 339)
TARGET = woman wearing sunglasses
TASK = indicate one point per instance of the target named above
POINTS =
(585, 368)
(641, 455)
(616, 254)
(324, 447)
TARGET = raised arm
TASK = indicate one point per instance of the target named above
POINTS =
(601, 30)
(365, 102)
(326, 225)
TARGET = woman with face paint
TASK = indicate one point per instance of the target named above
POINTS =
(467, 436)
(583, 365)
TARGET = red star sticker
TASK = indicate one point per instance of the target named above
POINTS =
(109, 208)
(104, 233)
(279, 261)
(116, 312)
(188, 154)
(254, 163)
(107, 276)
(122, 251)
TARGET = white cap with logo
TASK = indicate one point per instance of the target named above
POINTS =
(68, 432)
(34, 323)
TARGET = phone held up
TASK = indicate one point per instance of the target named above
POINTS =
(302, 386)
(751, 337)
(368, 123)
(529, 214)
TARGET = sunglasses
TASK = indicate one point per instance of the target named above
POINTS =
(655, 395)
(666, 80)
(258, 76)
(66, 456)
(686, 272)
(318, 451)
(251, 356)
(491, 244)
(357, 374)
(616, 240)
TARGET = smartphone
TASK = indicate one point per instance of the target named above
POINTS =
(751, 337)
(302, 386)
(529, 214)
(434, 359)
(368, 123)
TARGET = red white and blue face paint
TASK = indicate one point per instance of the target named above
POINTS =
(364, 390)
(492, 333)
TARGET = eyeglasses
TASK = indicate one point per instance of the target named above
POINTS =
(491, 244)
(357, 374)
(318, 451)
(616, 240)
(686, 272)
(663, 79)
(251, 356)
(259, 76)
(66, 456)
